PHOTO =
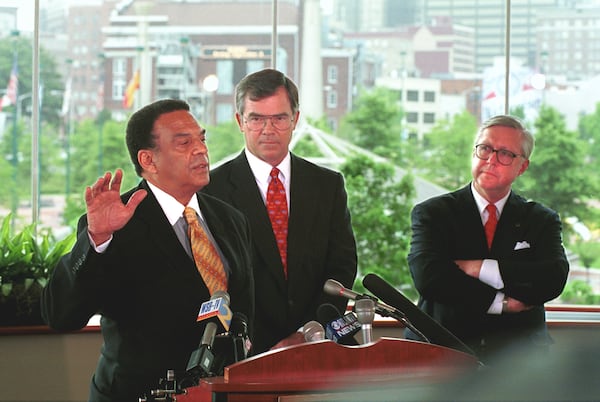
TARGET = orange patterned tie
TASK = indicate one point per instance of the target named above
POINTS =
(206, 257)
(490, 224)
(278, 214)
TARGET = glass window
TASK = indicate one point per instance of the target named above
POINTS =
(100, 60)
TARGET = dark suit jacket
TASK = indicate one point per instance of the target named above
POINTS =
(148, 291)
(531, 258)
(321, 244)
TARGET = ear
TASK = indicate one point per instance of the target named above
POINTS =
(296, 119)
(146, 160)
(238, 118)
(524, 167)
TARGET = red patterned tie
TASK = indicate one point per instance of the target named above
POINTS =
(278, 214)
(207, 258)
(490, 224)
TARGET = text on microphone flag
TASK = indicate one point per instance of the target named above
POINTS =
(210, 308)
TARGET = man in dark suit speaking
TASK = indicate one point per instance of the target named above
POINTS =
(484, 259)
(132, 261)
(301, 228)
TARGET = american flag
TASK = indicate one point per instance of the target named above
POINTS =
(10, 97)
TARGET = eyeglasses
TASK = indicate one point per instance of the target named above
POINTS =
(256, 122)
(504, 156)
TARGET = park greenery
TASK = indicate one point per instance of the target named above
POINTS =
(562, 174)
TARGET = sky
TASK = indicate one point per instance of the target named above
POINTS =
(25, 14)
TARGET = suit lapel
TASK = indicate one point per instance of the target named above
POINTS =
(159, 230)
(510, 226)
(470, 218)
(303, 199)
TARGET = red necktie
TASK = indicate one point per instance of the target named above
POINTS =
(490, 224)
(207, 259)
(278, 214)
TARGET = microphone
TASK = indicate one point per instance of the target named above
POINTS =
(313, 331)
(365, 312)
(338, 328)
(217, 306)
(232, 346)
(201, 360)
(335, 288)
(239, 333)
(429, 328)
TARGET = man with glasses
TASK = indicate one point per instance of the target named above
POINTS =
(484, 259)
(298, 213)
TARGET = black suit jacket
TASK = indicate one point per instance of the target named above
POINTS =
(531, 258)
(148, 291)
(321, 244)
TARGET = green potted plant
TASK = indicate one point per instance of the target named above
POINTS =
(26, 262)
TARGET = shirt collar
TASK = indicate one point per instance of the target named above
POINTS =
(262, 169)
(482, 202)
(172, 208)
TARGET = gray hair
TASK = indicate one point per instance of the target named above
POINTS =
(527, 140)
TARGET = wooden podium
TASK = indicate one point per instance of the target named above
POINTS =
(324, 370)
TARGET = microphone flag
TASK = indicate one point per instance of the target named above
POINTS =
(217, 307)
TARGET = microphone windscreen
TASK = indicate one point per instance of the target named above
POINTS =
(433, 330)
(313, 331)
(327, 313)
(239, 324)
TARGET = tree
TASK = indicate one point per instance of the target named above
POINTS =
(376, 123)
(380, 204)
(556, 175)
(589, 132)
(50, 80)
(449, 147)
(224, 140)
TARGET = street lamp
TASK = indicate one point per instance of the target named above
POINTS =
(210, 84)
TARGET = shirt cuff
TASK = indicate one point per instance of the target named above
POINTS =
(490, 274)
(101, 248)
(496, 307)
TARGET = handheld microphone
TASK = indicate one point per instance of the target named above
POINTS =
(365, 312)
(339, 328)
(239, 333)
(232, 346)
(201, 360)
(217, 306)
(428, 327)
(313, 331)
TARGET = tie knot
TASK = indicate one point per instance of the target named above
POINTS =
(274, 173)
(190, 215)
(491, 208)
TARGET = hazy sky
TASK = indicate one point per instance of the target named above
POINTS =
(25, 13)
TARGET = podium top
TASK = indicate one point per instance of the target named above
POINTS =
(327, 360)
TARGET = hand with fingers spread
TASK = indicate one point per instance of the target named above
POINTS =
(106, 213)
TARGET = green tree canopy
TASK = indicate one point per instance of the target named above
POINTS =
(589, 131)
(448, 149)
(380, 204)
(556, 175)
(375, 122)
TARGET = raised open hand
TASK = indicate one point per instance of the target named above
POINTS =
(106, 213)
